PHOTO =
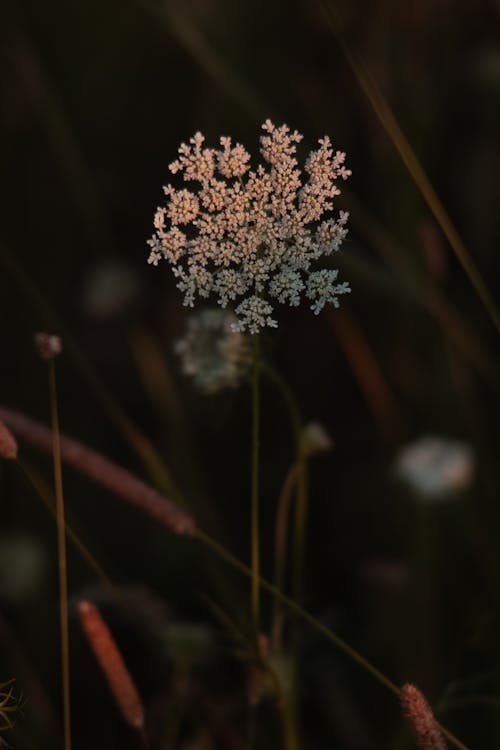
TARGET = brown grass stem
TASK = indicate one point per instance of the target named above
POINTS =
(143, 447)
(317, 625)
(103, 471)
(61, 555)
(21, 426)
(454, 326)
(366, 371)
(391, 126)
(48, 500)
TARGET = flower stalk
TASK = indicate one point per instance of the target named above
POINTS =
(61, 556)
(255, 543)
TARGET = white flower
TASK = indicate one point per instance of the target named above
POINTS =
(435, 466)
(253, 314)
(286, 287)
(252, 236)
(212, 353)
(321, 289)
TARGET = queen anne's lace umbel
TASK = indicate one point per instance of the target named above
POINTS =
(253, 237)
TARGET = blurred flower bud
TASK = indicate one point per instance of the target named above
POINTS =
(212, 353)
(48, 346)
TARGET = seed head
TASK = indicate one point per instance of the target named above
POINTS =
(112, 664)
(48, 345)
(421, 719)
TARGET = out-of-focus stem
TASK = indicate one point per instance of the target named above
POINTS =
(61, 555)
(280, 547)
(255, 552)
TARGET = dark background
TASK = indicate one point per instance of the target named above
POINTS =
(96, 97)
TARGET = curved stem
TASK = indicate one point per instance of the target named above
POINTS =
(330, 635)
(82, 465)
(299, 535)
(301, 478)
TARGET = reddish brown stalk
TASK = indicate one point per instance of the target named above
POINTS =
(103, 471)
(423, 724)
(366, 371)
(8, 445)
(112, 664)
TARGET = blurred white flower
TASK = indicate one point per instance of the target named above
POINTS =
(212, 353)
(252, 237)
(435, 466)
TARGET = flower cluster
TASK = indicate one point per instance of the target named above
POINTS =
(212, 353)
(252, 236)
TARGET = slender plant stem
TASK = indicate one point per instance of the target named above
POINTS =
(330, 635)
(391, 126)
(300, 526)
(280, 547)
(61, 554)
(293, 606)
(300, 516)
(48, 500)
(299, 538)
(255, 556)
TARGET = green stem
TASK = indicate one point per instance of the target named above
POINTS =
(61, 554)
(255, 554)
(280, 547)
(299, 536)
(330, 635)
(297, 609)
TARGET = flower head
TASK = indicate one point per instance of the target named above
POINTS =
(112, 664)
(48, 345)
(213, 354)
(421, 719)
(436, 467)
(252, 237)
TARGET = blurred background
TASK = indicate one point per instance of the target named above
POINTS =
(403, 548)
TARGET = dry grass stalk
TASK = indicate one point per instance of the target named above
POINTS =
(112, 664)
(419, 714)
(8, 445)
(102, 470)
